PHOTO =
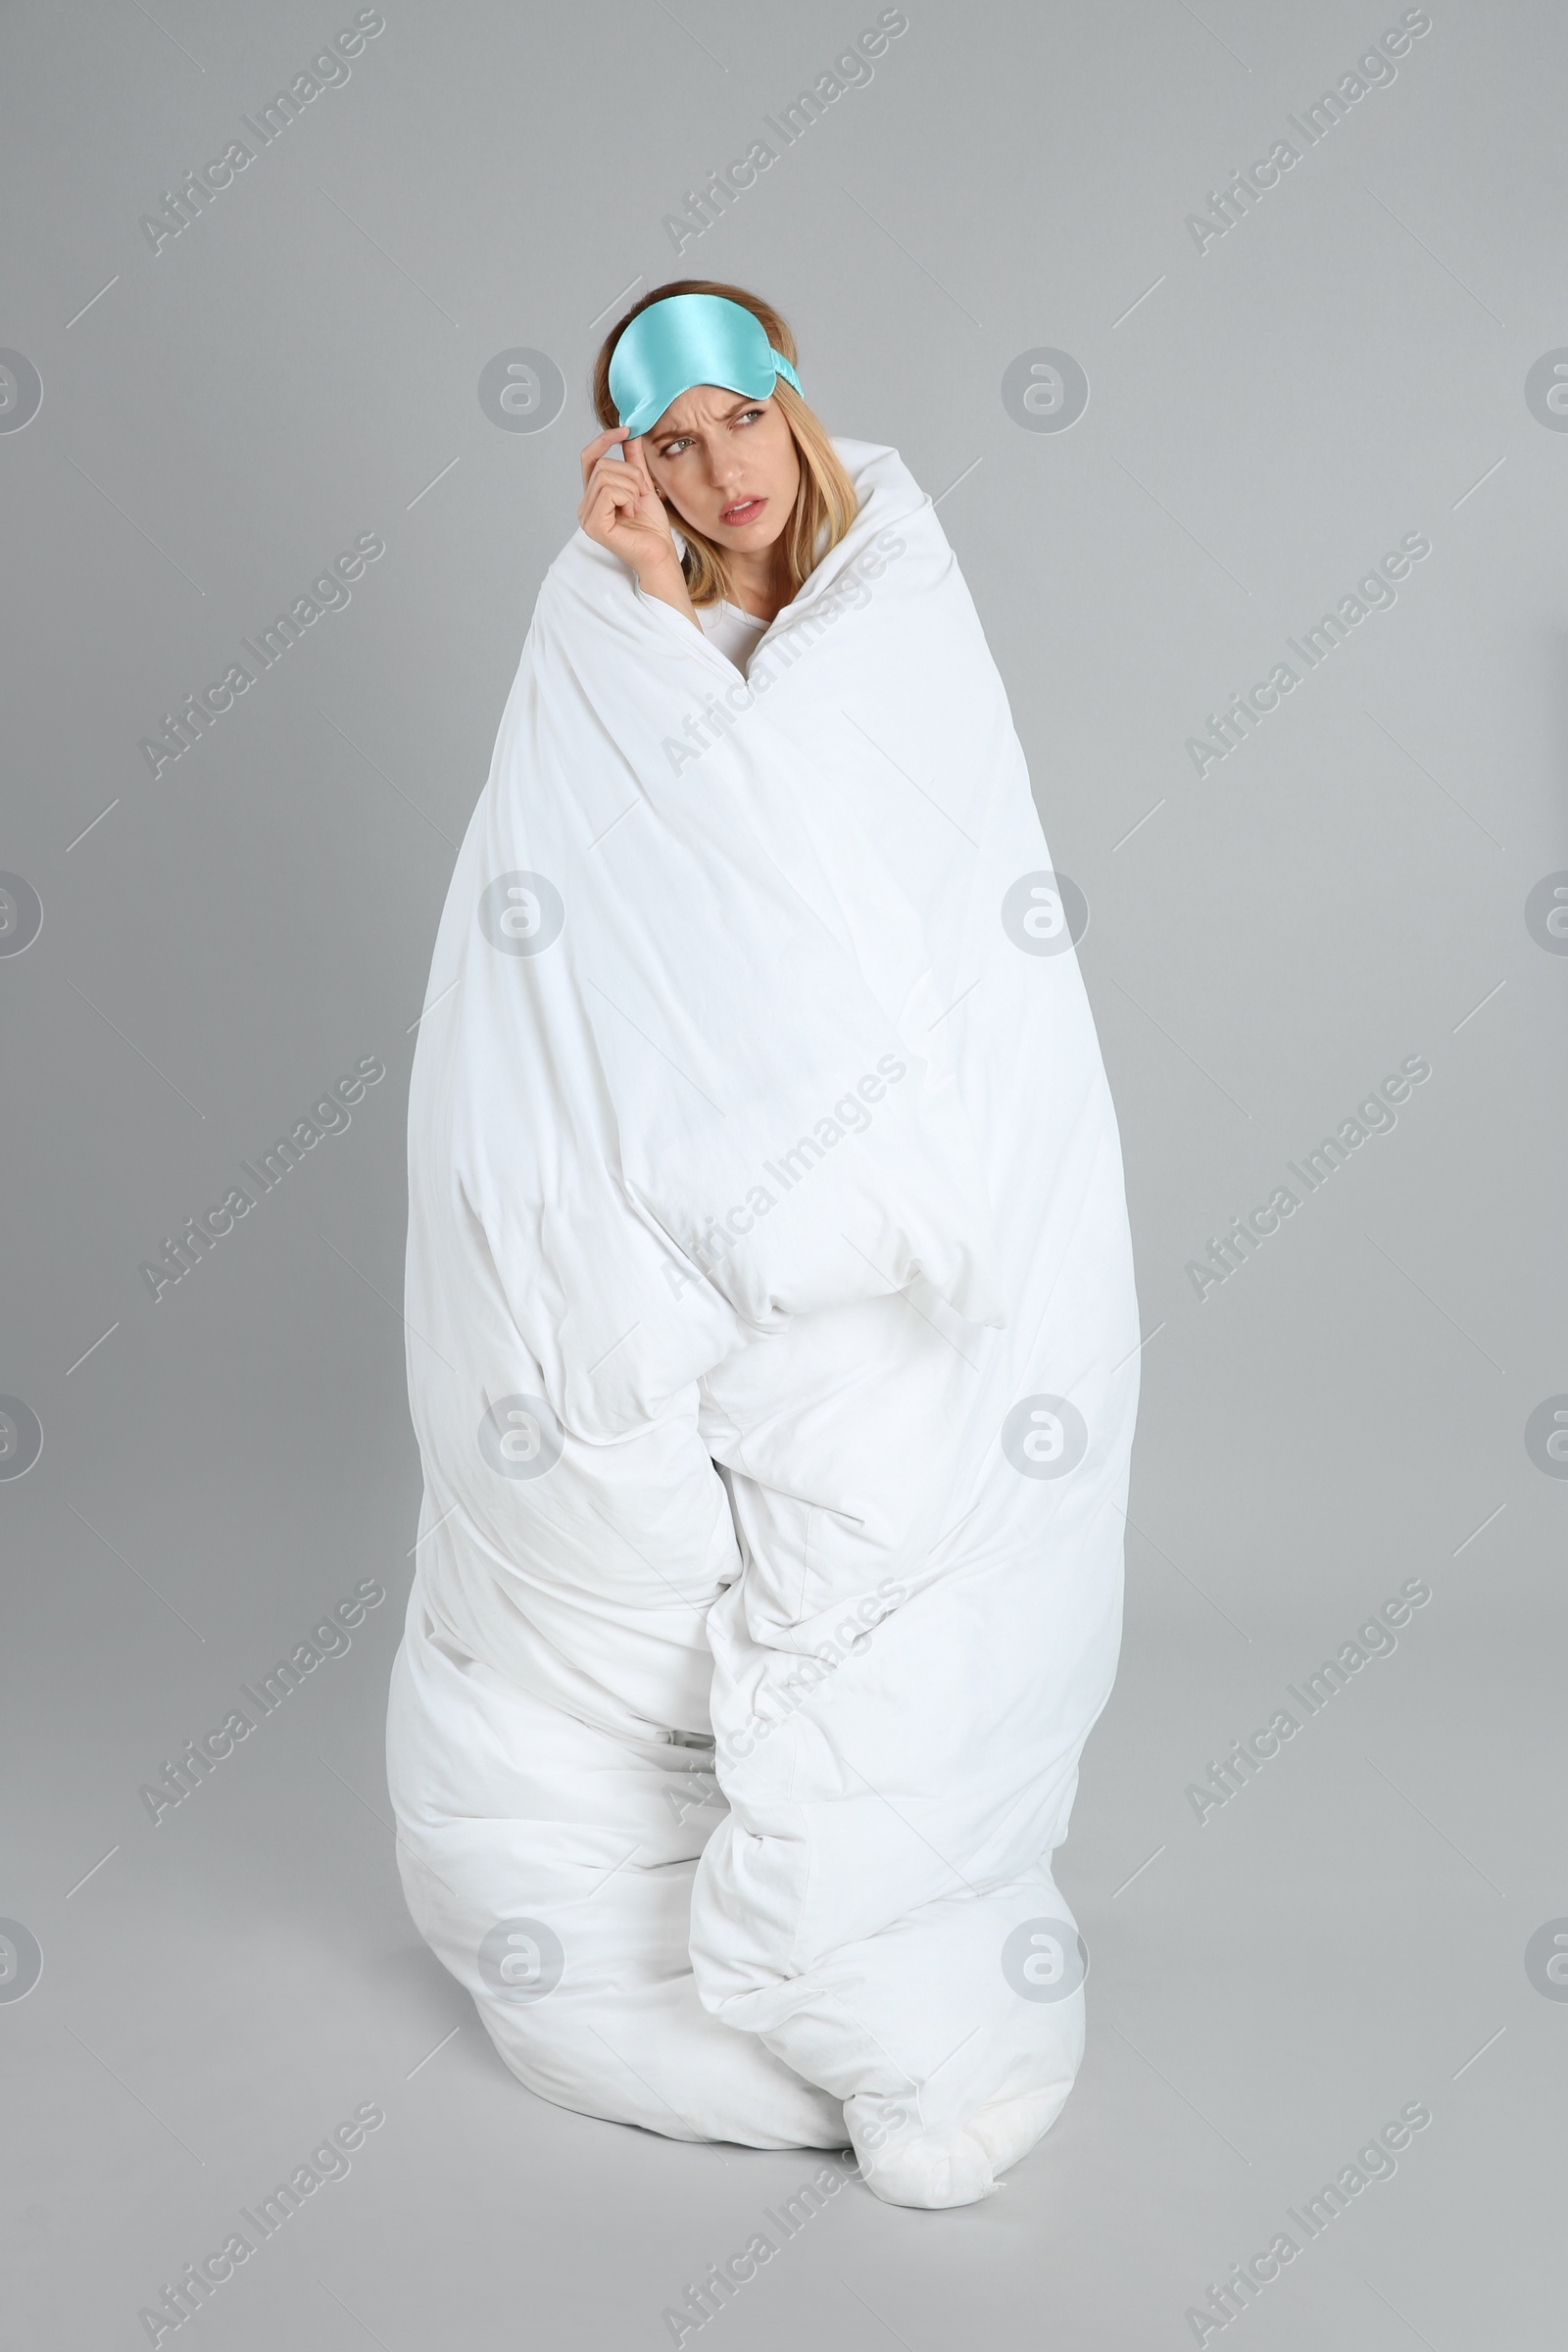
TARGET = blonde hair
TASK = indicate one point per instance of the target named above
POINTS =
(825, 504)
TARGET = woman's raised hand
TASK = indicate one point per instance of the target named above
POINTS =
(622, 511)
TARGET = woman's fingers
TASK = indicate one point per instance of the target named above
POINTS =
(631, 489)
(636, 463)
(615, 503)
(613, 488)
(618, 489)
(621, 510)
(596, 449)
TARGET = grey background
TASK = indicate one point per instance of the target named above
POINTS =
(1265, 419)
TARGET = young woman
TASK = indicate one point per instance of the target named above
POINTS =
(773, 1341)
(755, 481)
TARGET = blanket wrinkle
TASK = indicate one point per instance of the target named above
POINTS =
(776, 1387)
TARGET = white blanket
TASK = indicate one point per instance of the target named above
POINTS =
(772, 1356)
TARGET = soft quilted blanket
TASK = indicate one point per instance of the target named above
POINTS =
(772, 1354)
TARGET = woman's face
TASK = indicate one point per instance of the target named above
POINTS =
(727, 465)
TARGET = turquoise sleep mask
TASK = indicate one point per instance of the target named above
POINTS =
(691, 339)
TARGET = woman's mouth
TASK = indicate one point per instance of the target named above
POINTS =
(742, 511)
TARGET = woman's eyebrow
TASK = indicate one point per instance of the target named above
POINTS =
(727, 415)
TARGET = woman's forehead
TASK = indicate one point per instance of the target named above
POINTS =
(703, 405)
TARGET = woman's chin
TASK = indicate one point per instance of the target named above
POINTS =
(748, 538)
